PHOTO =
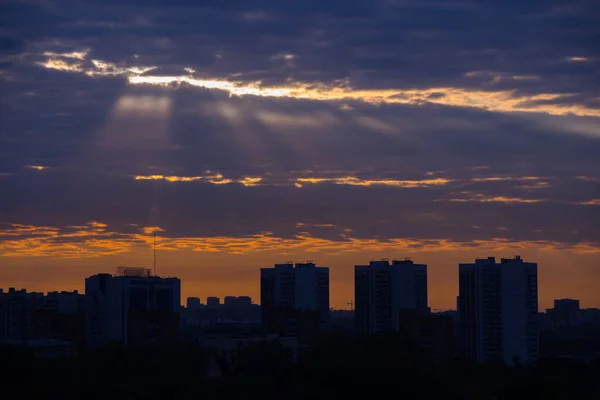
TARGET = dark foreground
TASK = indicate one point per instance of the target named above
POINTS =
(331, 367)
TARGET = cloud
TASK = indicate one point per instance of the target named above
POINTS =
(365, 117)
(484, 199)
(96, 240)
(216, 179)
(354, 181)
(490, 100)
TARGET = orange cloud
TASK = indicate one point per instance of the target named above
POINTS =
(95, 240)
(216, 179)
(354, 181)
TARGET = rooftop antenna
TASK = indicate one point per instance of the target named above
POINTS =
(154, 249)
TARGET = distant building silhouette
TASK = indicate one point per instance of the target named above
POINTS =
(237, 301)
(567, 314)
(382, 289)
(131, 307)
(213, 302)
(193, 303)
(15, 314)
(25, 316)
(59, 315)
(498, 305)
(294, 298)
(244, 301)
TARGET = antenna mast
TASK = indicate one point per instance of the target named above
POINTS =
(154, 249)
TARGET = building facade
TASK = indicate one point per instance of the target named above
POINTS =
(498, 306)
(382, 289)
(131, 308)
(293, 294)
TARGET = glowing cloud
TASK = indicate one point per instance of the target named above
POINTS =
(89, 241)
(36, 167)
(239, 89)
(490, 100)
(354, 181)
(78, 55)
(250, 181)
(216, 179)
(578, 59)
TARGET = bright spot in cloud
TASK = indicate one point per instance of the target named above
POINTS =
(578, 59)
(79, 55)
(233, 89)
(36, 167)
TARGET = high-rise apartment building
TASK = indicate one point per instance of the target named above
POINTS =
(382, 289)
(293, 290)
(498, 306)
(131, 307)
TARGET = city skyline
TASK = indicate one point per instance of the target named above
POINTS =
(341, 304)
(259, 132)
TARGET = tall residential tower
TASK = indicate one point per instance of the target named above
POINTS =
(131, 307)
(289, 292)
(382, 289)
(498, 306)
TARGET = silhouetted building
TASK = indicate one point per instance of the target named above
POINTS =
(244, 301)
(589, 317)
(131, 307)
(15, 314)
(60, 316)
(63, 302)
(213, 302)
(294, 297)
(28, 316)
(193, 303)
(498, 306)
(230, 301)
(237, 301)
(431, 333)
(565, 313)
(381, 290)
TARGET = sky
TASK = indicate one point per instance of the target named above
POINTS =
(249, 133)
